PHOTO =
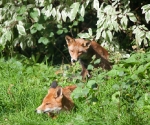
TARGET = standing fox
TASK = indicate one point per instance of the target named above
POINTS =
(84, 50)
(57, 99)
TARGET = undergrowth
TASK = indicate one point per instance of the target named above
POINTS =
(117, 97)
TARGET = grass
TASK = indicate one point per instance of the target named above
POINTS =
(23, 86)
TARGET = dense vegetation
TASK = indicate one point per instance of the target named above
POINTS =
(33, 54)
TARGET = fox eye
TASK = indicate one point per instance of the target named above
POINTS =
(80, 52)
(47, 103)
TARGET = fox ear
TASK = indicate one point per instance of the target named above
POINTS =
(59, 92)
(68, 40)
(87, 44)
(54, 84)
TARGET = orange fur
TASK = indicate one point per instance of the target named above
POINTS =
(57, 99)
(84, 50)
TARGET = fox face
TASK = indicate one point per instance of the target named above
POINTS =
(58, 98)
(52, 103)
(84, 50)
(77, 48)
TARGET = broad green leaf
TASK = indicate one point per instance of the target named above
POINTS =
(43, 40)
(145, 8)
(33, 30)
(85, 91)
(124, 22)
(147, 16)
(64, 15)
(132, 17)
(104, 34)
(23, 45)
(21, 30)
(87, 2)
(59, 26)
(113, 72)
(59, 32)
(53, 12)
(75, 23)
(58, 15)
(98, 33)
(109, 36)
(51, 34)
(116, 96)
(90, 67)
(38, 26)
(35, 13)
(82, 11)
(22, 10)
(90, 83)
(148, 35)
(83, 35)
(47, 10)
(96, 4)
(90, 31)
(97, 61)
(74, 9)
(116, 87)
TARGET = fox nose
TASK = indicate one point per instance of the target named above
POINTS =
(73, 60)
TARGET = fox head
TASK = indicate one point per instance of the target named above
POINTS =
(77, 48)
(52, 103)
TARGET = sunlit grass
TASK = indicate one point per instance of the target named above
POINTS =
(23, 86)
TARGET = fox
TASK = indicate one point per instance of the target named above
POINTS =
(83, 50)
(57, 99)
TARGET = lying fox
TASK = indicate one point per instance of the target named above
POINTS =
(84, 50)
(57, 99)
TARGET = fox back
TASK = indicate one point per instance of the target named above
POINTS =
(57, 99)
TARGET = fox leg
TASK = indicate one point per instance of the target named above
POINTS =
(84, 72)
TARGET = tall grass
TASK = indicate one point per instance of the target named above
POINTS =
(24, 84)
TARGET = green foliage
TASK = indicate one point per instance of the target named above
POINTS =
(120, 96)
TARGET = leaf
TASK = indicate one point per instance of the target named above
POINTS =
(147, 16)
(64, 14)
(74, 9)
(58, 15)
(97, 61)
(115, 97)
(132, 17)
(82, 11)
(90, 67)
(96, 4)
(124, 22)
(148, 35)
(38, 26)
(75, 23)
(109, 35)
(90, 31)
(47, 10)
(33, 30)
(23, 45)
(145, 8)
(22, 10)
(83, 35)
(43, 40)
(51, 34)
(35, 14)
(53, 12)
(21, 30)
(59, 32)
(90, 83)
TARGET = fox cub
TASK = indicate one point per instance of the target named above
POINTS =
(84, 50)
(57, 99)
